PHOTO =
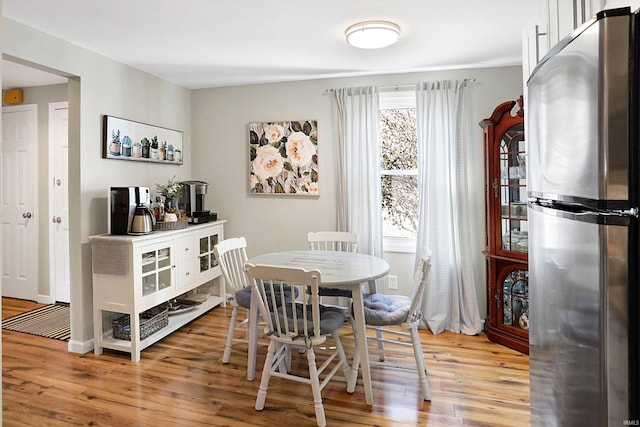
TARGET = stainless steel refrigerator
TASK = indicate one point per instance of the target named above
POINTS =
(582, 140)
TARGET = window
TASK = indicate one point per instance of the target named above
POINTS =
(399, 170)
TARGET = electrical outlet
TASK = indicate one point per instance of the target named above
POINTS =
(392, 282)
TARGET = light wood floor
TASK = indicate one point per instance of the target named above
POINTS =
(181, 381)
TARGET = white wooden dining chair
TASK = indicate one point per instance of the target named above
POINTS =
(231, 255)
(341, 241)
(382, 311)
(332, 241)
(303, 324)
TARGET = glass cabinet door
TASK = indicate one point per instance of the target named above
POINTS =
(156, 269)
(206, 255)
(515, 299)
(512, 190)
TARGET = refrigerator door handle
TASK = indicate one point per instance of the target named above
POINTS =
(583, 210)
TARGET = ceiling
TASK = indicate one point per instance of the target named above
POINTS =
(213, 43)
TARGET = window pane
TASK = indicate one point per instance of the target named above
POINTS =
(400, 205)
(399, 139)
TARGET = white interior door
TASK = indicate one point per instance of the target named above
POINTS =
(18, 200)
(59, 201)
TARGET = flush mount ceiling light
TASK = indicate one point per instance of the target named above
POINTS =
(372, 34)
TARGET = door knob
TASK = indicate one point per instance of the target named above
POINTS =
(57, 220)
(26, 215)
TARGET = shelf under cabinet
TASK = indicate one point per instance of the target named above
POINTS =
(176, 321)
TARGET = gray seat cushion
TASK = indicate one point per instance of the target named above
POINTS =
(243, 296)
(331, 318)
(383, 310)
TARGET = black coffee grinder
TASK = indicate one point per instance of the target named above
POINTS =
(192, 200)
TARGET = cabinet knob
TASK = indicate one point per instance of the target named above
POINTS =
(495, 186)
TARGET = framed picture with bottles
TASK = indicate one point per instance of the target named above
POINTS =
(130, 140)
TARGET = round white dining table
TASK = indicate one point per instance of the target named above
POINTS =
(347, 270)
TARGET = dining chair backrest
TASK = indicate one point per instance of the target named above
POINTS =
(287, 318)
(419, 285)
(231, 255)
(332, 241)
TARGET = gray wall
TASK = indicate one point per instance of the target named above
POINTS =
(220, 118)
(99, 86)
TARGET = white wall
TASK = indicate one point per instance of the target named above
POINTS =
(220, 118)
(612, 4)
(99, 86)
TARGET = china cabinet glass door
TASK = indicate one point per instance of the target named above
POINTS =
(512, 190)
(515, 299)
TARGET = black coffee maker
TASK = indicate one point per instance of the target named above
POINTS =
(123, 202)
(192, 200)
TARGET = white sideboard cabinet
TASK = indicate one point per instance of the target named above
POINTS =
(132, 274)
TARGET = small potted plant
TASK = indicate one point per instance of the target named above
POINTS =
(145, 147)
(115, 143)
(154, 148)
(126, 146)
(172, 192)
(136, 150)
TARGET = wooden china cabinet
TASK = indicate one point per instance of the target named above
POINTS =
(506, 245)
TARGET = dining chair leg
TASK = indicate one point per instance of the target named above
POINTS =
(422, 370)
(346, 371)
(315, 387)
(355, 367)
(266, 375)
(380, 343)
(287, 359)
(226, 356)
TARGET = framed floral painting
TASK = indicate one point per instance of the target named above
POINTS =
(284, 157)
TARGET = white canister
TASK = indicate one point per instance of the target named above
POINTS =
(169, 217)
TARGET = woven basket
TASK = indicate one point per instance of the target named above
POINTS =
(171, 225)
(151, 321)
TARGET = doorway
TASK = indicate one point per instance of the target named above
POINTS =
(59, 201)
(51, 273)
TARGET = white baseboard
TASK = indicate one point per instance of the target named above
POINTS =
(45, 299)
(81, 347)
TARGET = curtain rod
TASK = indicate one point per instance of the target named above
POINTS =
(404, 86)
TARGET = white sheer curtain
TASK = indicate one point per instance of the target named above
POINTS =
(359, 194)
(450, 298)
